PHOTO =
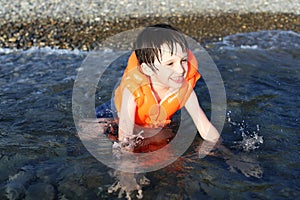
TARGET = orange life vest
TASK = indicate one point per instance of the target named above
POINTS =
(149, 112)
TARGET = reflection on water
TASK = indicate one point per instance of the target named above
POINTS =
(41, 155)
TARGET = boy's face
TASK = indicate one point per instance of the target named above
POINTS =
(172, 69)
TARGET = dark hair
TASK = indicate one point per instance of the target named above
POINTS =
(149, 42)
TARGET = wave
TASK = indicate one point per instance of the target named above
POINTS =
(47, 50)
(275, 39)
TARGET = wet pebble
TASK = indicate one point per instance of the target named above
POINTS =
(16, 185)
(41, 191)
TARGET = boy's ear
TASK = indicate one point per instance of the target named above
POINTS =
(146, 69)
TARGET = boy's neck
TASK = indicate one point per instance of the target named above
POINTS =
(160, 91)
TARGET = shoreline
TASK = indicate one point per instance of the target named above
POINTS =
(75, 33)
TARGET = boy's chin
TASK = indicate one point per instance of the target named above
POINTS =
(176, 85)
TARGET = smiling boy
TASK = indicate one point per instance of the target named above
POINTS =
(159, 80)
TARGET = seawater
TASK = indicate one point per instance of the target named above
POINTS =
(42, 156)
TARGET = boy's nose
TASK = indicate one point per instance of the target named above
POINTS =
(179, 68)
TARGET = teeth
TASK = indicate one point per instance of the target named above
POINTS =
(178, 79)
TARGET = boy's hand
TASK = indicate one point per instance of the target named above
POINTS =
(206, 148)
(246, 165)
(94, 127)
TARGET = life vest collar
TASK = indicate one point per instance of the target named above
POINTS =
(150, 112)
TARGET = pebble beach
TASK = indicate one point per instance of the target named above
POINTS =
(75, 24)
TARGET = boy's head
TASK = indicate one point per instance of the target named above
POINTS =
(150, 42)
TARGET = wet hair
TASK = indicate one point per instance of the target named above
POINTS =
(149, 41)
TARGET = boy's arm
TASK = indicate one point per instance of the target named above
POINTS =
(205, 128)
(209, 133)
(126, 115)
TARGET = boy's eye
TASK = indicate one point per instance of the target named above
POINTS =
(184, 60)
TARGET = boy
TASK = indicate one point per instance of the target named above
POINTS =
(159, 80)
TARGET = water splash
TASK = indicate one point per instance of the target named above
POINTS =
(251, 139)
(128, 183)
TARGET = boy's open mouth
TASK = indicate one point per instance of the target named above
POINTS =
(178, 79)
